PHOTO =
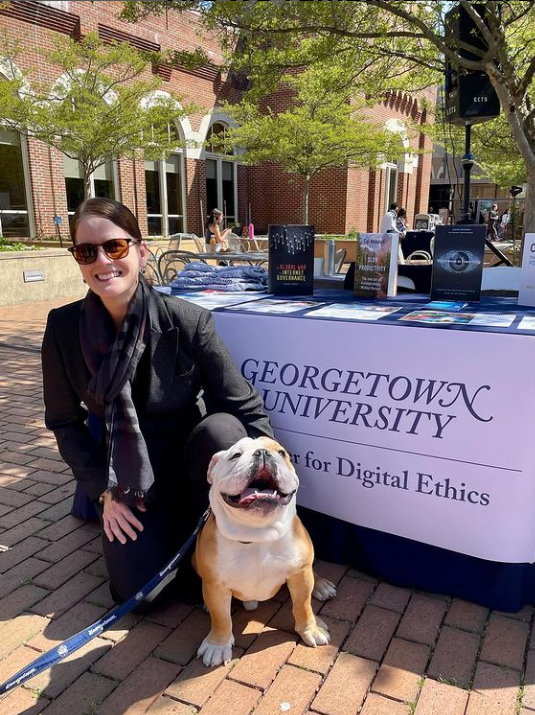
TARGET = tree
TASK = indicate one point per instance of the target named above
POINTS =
(318, 130)
(405, 38)
(99, 110)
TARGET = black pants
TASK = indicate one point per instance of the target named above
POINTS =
(131, 565)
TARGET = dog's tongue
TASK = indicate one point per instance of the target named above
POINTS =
(249, 495)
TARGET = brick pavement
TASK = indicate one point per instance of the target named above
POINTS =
(394, 652)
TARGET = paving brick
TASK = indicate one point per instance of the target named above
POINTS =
(63, 547)
(8, 497)
(20, 701)
(58, 494)
(128, 653)
(524, 614)
(20, 552)
(334, 572)
(401, 670)
(168, 706)
(346, 686)
(83, 696)
(284, 620)
(390, 597)
(15, 457)
(16, 472)
(135, 694)
(170, 614)
(422, 619)
(441, 699)
(58, 511)
(373, 632)
(455, 656)
(98, 568)
(55, 681)
(82, 615)
(20, 629)
(321, 658)
(10, 537)
(259, 666)
(196, 683)
(20, 600)
(49, 465)
(351, 596)
(182, 644)
(121, 629)
(61, 572)
(293, 686)
(495, 690)
(20, 574)
(66, 596)
(61, 528)
(5, 509)
(505, 642)
(53, 478)
(377, 705)
(39, 489)
(529, 680)
(246, 625)
(101, 596)
(18, 516)
(467, 616)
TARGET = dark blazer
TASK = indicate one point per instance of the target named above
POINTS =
(184, 367)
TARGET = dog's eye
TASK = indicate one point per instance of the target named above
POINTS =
(236, 455)
(282, 453)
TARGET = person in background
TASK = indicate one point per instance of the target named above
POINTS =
(492, 223)
(401, 221)
(505, 222)
(212, 228)
(162, 394)
(388, 222)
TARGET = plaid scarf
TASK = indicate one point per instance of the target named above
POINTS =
(112, 358)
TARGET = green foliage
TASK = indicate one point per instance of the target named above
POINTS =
(98, 110)
(320, 128)
(7, 244)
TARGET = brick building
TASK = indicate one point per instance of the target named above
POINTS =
(38, 183)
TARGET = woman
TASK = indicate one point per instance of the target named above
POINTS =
(212, 229)
(149, 367)
(401, 221)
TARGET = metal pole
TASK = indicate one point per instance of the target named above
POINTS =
(467, 162)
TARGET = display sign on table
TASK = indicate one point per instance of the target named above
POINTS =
(376, 265)
(291, 260)
(458, 262)
(526, 293)
(387, 431)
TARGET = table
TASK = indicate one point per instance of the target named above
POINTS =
(446, 411)
(251, 257)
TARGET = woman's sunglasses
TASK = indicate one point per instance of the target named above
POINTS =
(115, 248)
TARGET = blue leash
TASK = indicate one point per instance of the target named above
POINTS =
(72, 644)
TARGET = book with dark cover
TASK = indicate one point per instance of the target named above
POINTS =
(376, 265)
(458, 262)
(291, 260)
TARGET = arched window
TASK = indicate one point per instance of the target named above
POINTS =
(221, 175)
(103, 182)
(164, 181)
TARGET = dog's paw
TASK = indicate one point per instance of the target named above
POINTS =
(317, 634)
(213, 655)
(323, 588)
(250, 605)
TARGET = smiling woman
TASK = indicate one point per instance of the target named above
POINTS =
(150, 370)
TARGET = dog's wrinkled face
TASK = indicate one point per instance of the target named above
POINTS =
(255, 476)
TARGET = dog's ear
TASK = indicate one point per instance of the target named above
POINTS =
(215, 459)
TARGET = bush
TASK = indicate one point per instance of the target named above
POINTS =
(7, 245)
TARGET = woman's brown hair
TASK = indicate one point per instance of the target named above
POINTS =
(114, 211)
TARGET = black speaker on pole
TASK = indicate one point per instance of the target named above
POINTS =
(470, 97)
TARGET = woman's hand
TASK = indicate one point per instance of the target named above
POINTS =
(119, 520)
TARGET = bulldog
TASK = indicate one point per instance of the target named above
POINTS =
(253, 543)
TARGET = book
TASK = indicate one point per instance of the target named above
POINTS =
(526, 293)
(458, 262)
(376, 265)
(291, 259)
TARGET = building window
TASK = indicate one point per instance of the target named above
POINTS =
(164, 181)
(391, 187)
(14, 221)
(221, 181)
(102, 184)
